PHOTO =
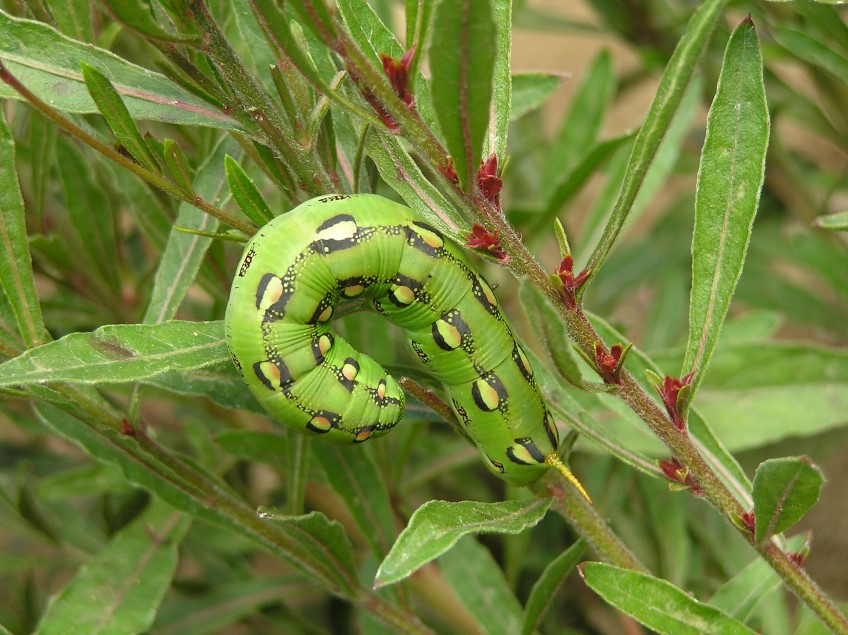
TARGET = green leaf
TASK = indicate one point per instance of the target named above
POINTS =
(657, 604)
(119, 353)
(404, 175)
(837, 222)
(436, 526)
(353, 475)
(784, 490)
(728, 193)
(219, 382)
(531, 90)
(92, 218)
(137, 16)
(227, 604)
(462, 57)
(16, 276)
(550, 330)
(177, 165)
(819, 55)
(739, 595)
(246, 193)
(126, 581)
(185, 252)
(788, 389)
(48, 63)
(501, 80)
(115, 112)
(479, 584)
(73, 17)
(321, 542)
(669, 94)
(580, 128)
(545, 588)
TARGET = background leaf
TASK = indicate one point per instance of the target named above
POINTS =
(729, 183)
(462, 57)
(437, 525)
(784, 490)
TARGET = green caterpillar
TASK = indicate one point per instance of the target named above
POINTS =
(302, 264)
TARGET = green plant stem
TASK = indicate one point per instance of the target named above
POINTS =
(672, 86)
(804, 587)
(151, 177)
(256, 104)
(584, 517)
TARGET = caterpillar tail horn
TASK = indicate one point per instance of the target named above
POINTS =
(554, 461)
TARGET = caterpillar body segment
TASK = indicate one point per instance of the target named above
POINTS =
(303, 264)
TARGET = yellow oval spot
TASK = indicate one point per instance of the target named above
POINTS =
(339, 231)
(521, 455)
(320, 424)
(349, 371)
(404, 295)
(273, 292)
(488, 395)
(381, 390)
(271, 372)
(353, 290)
(451, 337)
(490, 297)
(326, 314)
(325, 342)
(363, 435)
(429, 237)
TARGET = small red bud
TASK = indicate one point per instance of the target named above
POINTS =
(669, 392)
(482, 238)
(398, 73)
(675, 471)
(570, 282)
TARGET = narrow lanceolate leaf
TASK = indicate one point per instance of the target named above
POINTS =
(184, 252)
(126, 581)
(784, 490)
(479, 584)
(177, 165)
(501, 80)
(119, 353)
(48, 63)
(138, 16)
(551, 332)
(658, 604)
(353, 475)
(543, 592)
(15, 261)
(462, 57)
(323, 544)
(837, 222)
(580, 128)
(112, 108)
(246, 193)
(436, 526)
(740, 594)
(91, 216)
(531, 90)
(728, 192)
(673, 83)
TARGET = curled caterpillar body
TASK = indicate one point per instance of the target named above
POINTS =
(302, 264)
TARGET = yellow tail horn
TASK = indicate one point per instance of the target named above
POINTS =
(554, 461)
